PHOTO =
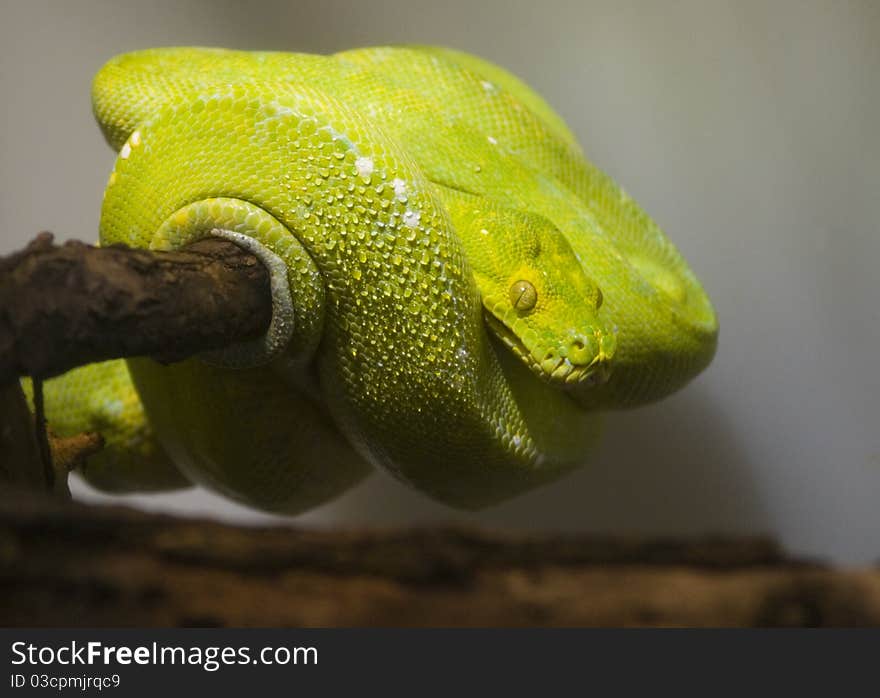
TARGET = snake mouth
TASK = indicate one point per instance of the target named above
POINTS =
(551, 366)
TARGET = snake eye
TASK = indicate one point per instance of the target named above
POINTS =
(523, 296)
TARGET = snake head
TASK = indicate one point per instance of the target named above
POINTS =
(537, 298)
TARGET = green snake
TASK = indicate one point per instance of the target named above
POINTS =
(457, 291)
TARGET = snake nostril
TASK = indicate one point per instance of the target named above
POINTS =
(581, 350)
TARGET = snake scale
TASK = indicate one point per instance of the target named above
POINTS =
(458, 293)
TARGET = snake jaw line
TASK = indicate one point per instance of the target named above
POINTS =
(553, 366)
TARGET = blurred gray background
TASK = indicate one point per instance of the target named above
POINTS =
(747, 129)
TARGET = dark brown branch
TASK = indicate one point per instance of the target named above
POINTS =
(40, 429)
(65, 564)
(20, 459)
(64, 306)
(31, 455)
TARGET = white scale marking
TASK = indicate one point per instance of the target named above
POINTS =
(399, 188)
(364, 166)
(411, 219)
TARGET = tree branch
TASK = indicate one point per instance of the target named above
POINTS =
(64, 564)
(69, 305)
(21, 462)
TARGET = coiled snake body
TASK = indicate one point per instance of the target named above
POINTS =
(457, 291)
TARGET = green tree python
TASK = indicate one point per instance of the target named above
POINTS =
(458, 293)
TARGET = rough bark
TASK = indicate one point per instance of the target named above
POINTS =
(20, 458)
(65, 306)
(66, 564)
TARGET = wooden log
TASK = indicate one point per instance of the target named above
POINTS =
(73, 304)
(63, 564)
